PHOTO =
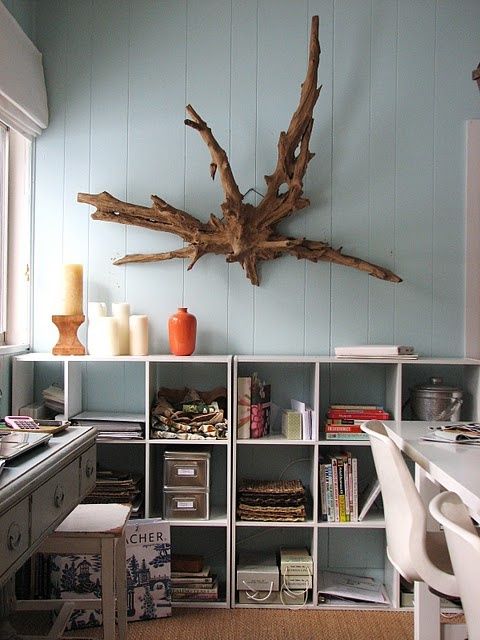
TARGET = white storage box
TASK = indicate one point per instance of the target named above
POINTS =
(257, 572)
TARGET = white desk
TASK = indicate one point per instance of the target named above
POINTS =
(455, 467)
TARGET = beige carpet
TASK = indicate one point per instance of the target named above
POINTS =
(263, 624)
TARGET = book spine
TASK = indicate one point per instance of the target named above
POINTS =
(346, 481)
(329, 492)
(335, 489)
(345, 425)
(357, 415)
(346, 436)
(323, 493)
(356, 407)
(342, 515)
(355, 490)
(207, 589)
(244, 390)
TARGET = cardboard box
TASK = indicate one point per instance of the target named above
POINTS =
(257, 572)
(275, 597)
(295, 561)
(295, 581)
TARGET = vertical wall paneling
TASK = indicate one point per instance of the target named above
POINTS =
(387, 181)
(78, 65)
(156, 161)
(243, 122)
(49, 178)
(282, 61)
(456, 99)
(208, 91)
(383, 56)
(108, 171)
(414, 171)
(351, 167)
(317, 187)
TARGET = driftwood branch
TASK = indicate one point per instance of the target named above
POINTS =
(245, 234)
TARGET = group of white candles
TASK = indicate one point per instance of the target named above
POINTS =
(120, 334)
(116, 335)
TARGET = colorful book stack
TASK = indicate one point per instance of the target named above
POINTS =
(344, 420)
(339, 488)
(192, 580)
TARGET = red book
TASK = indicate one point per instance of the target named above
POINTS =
(359, 415)
(338, 428)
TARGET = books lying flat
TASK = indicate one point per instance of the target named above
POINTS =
(375, 351)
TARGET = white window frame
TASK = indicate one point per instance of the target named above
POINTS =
(15, 238)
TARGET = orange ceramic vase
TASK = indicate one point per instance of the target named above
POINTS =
(182, 332)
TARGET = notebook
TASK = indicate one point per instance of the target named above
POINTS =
(14, 444)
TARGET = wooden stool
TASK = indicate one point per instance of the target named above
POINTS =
(92, 529)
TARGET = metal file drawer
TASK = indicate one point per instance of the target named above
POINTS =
(186, 469)
(185, 505)
(55, 499)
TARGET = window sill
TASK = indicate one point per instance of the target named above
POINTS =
(13, 349)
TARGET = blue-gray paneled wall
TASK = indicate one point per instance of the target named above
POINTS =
(386, 183)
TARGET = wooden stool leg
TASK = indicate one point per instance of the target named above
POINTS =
(121, 586)
(108, 588)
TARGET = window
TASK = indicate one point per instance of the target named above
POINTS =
(15, 245)
(3, 229)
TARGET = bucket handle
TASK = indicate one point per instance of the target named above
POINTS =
(448, 412)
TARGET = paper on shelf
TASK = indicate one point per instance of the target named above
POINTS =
(342, 585)
(306, 413)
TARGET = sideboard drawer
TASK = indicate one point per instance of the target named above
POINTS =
(14, 534)
(88, 471)
(55, 499)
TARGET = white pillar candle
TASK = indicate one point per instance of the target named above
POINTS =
(138, 335)
(95, 310)
(106, 341)
(72, 289)
(121, 312)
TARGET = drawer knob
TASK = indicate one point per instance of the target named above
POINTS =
(89, 469)
(59, 496)
(14, 536)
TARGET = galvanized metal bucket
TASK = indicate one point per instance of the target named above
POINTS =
(436, 401)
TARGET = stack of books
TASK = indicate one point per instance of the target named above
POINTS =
(344, 420)
(397, 351)
(192, 580)
(339, 488)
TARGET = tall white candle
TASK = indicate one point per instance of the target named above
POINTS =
(73, 289)
(121, 312)
(138, 335)
(96, 310)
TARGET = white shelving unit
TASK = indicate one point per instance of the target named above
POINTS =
(353, 547)
(129, 384)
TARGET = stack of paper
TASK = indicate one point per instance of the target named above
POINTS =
(112, 426)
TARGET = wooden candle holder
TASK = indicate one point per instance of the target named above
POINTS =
(68, 343)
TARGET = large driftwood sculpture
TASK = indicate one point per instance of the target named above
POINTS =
(245, 233)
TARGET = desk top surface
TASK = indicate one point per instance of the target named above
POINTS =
(24, 473)
(455, 466)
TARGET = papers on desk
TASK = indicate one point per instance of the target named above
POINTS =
(456, 433)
